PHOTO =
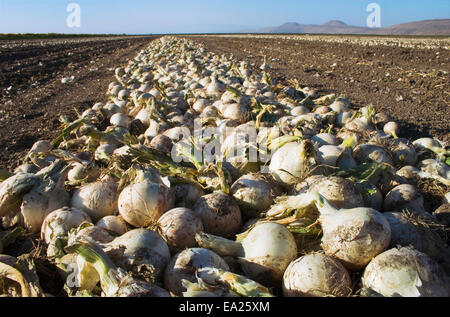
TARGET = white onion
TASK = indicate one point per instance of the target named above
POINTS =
(42, 200)
(291, 161)
(140, 250)
(178, 227)
(354, 236)
(405, 272)
(219, 213)
(254, 193)
(56, 226)
(316, 275)
(97, 199)
(184, 264)
(113, 224)
(141, 204)
(263, 254)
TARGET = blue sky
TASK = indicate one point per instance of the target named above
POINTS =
(176, 16)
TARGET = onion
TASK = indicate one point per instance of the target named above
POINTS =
(214, 282)
(113, 224)
(359, 125)
(343, 118)
(42, 200)
(405, 272)
(435, 169)
(369, 153)
(429, 144)
(335, 156)
(104, 152)
(184, 264)
(354, 236)
(89, 232)
(77, 173)
(339, 191)
(372, 196)
(12, 191)
(161, 143)
(215, 88)
(404, 196)
(403, 153)
(235, 112)
(178, 227)
(145, 200)
(56, 226)
(300, 110)
(115, 282)
(264, 253)
(144, 116)
(120, 120)
(316, 274)
(423, 235)
(322, 139)
(140, 251)
(96, 199)
(200, 104)
(254, 193)
(292, 161)
(392, 129)
(219, 213)
(340, 105)
(186, 195)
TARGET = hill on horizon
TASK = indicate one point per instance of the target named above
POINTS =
(425, 27)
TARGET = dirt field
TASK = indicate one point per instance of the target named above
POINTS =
(32, 96)
(408, 79)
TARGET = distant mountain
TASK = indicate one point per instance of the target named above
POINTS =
(335, 23)
(426, 27)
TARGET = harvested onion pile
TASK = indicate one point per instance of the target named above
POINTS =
(200, 176)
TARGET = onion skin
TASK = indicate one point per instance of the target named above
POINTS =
(97, 199)
(142, 204)
(405, 272)
(219, 213)
(184, 264)
(316, 275)
(38, 203)
(179, 226)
